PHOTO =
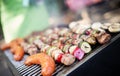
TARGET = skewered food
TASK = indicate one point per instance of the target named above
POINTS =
(67, 59)
(76, 52)
(103, 38)
(89, 39)
(62, 45)
(85, 47)
(52, 51)
(97, 26)
(114, 28)
(46, 62)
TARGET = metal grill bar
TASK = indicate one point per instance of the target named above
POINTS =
(24, 68)
(20, 66)
(25, 71)
(35, 70)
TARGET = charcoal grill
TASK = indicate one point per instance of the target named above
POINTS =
(19, 69)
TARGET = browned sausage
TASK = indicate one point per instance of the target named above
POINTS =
(46, 62)
(18, 52)
(5, 47)
(15, 48)
(16, 41)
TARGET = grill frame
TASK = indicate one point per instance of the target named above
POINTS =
(66, 70)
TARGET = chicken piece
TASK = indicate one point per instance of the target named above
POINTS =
(46, 62)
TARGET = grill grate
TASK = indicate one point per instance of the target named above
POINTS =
(35, 70)
(61, 70)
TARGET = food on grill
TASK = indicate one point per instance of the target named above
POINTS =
(62, 45)
(89, 39)
(52, 51)
(46, 62)
(15, 48)
(97, 26)
(67, 59)
(4, 47)
(85, 47)
(16, 41)
(103, 38)
(18, 52)
(114, 27)
(66, 48)
(76, 52)
(106, 26)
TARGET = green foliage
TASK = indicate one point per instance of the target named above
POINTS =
(13, 6)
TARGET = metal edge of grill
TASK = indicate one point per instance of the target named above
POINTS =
(61, 70)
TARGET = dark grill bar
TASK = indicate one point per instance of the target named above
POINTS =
(35, 70)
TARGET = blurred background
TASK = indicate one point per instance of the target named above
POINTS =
(19, 18)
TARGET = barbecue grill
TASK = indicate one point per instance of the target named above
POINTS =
(19, 69)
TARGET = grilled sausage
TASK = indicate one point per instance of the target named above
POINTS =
(46, 62)
(18, 52)
(15, 48)
(5, 47)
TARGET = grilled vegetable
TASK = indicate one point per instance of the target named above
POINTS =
(46, 62)
(50, 50)
(66, 48)
(56, 43)
(91, 40)
(114, 28)
(76, 41)
(106, 26)
(85, 47)
(97, 26)
(77, 52)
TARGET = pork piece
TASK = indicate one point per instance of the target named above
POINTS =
(30, 48)
(103, 38)
(67, 59)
